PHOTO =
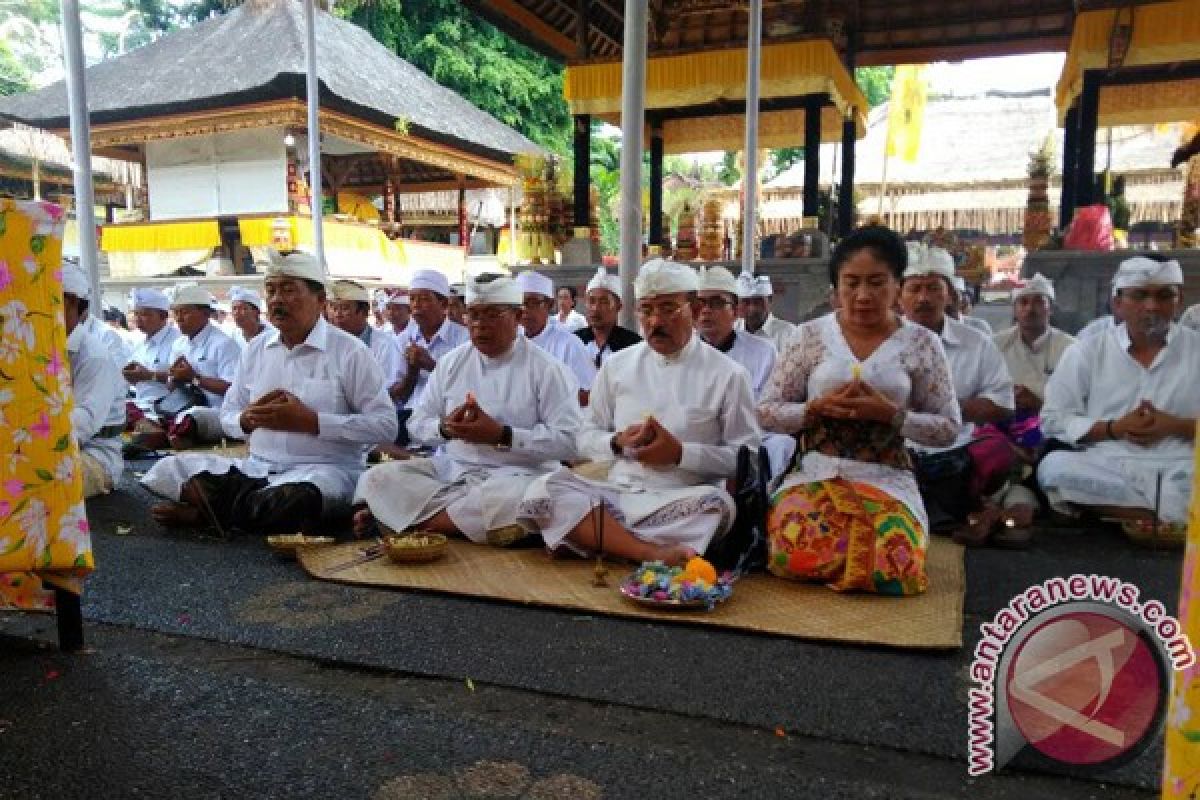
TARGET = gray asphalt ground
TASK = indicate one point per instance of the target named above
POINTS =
(216, 670)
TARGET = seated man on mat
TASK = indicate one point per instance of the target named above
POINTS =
(1128, 398)
(503, 410)
(311, 401)
(669, 415)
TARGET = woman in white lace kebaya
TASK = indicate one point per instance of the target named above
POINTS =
(853, 385)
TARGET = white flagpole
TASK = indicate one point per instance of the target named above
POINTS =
(633, 113)
(81, 147)
(312, 91)
(750, 179)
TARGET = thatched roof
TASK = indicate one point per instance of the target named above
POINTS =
(21, 145)
(255, 53)
(972, 141)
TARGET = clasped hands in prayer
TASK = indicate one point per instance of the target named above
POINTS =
(1147, 425)
(419, 357)
(472, 424)
(856, 400)
(280, 410)
(649, 443)
(182, 371)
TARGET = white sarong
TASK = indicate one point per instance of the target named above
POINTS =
(1100, 477)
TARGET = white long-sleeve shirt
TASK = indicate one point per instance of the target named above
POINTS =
(448, 337)
(99, 393)
(154, 353)
(1032, 366)
(115, 344)
(698, 394)
(527, 389)
(777, 330)
(382, 345)
(977, 369)
(212, 354)
(570, 350)
(755, 354)
(334, 374)
(1098, 379)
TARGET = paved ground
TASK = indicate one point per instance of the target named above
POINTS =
(219, 671)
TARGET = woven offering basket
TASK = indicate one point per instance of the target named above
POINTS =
(286, 545)
(416, 547)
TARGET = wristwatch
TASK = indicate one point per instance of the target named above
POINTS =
(506, 435)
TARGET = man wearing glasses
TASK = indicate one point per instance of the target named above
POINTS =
(1128, 398)
(754, 307)
(718, 297)
(537, 307)
(603, 336)
(668, 417)
(501, 411)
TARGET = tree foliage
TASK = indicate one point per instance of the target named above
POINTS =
(14, 77)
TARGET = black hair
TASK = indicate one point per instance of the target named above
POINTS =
(883, 242)
(363, 308)
(574, 292)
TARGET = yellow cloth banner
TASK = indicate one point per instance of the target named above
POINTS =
(44, 534)
(906, 112)
(160, 236)
(1181, 780)
(1163, 33)
(792, 69)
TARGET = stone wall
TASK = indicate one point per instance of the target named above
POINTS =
(1083, 280)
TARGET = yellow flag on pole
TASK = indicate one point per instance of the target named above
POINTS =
(906, 111)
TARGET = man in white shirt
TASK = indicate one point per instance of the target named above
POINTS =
(754, 310)
(204, 357)
(1129, 399)
(1191, 318)
(502, 412)
(397, 313)
(955, 479)
(148, 370)
(960, 307)
(667, 417)
(350, 308)
(603, 336)
(115, 344)
(567, 317)
(715, 321)
(432, 336)
(310, 400)
(538, 293)
(98, 416)
(246, 309)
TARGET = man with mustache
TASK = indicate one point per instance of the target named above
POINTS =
(501, 410)
(246, 309)
(667, 417)
(546, 332)
(754, 308)
(310, 400)
(954, 480)
(1129, 399)
(603, 336)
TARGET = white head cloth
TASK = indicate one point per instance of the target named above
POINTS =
(535, 283)
(192, 295)
(494, 290)
(349, 290)
(716, 279)
(1142, 271)
(299, 264)
(398, 298)
(75, 280)
(1038, 284)
(658, 276)
(924, 260)
(149, 298)
(754, 286)
(959, 283)
(602, 280)
(430, 280)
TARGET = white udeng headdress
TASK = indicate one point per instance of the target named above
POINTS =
(658, 276)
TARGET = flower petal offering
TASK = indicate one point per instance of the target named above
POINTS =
(694, 585)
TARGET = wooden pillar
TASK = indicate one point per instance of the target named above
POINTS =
(656, 182)
(1070, 163)
(846, 209)
(583, 170)
(462, 217)
(389, 200)
(1089, 112)
(812, 152)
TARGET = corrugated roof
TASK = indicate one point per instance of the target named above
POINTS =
(256, 52)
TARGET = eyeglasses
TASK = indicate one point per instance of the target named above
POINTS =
(715, 303)
(1165, 295)
(661, 312)
(487, 314)
(534, 305)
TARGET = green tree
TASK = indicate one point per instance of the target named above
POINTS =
(876, 84)
(14, 77)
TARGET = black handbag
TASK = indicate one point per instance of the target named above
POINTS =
(180, 399)
(744, 548)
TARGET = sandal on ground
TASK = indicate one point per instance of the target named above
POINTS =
(979, 527)
(1015, 531)
(177, 515)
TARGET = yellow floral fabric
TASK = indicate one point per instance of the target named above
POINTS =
(45, 541)
(1182, 777)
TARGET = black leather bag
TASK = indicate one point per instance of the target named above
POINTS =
(180, 399)
(744, 547)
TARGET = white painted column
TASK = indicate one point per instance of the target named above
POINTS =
(512, 226)
(750, 178)
(81, 147)
(313, 94)
(633, 119)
